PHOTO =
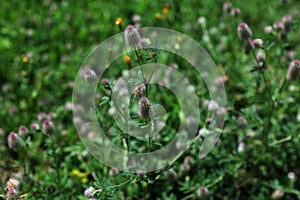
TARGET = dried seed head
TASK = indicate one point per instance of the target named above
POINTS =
(144, 43)
(144, 108)
(131, 35)
(244, 31)
(13, 140)
(89, 75)
(293, 71)
(258, 43)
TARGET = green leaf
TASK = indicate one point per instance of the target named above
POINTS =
(104, 100)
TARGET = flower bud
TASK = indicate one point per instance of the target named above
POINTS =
(292, 176)
(293, 71)
(89, 191)
(13, 140)
(136, 18)
(213, 105)
(118, 22)
(89, 75)
(241, 147)
(202, 192)
(131, 35)
(138, 92)
(277, 194)
(127, 60)
(241, 122)
(144, 108)
(258, 43)
(105, 83)
(268, 29)
(278, 26)
(144, 43)
(261, 57)
(244, 31)
(286, 21)
(227, 7)
(235, 12)
(23, 131)
(35, 126)
(48, 126)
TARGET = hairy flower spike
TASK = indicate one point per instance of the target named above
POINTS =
(293, 71)
(244, 31)
(144, 108)
(132, 36)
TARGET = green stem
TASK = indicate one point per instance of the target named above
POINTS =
(115, 186)
(149, 137)
(271, 101)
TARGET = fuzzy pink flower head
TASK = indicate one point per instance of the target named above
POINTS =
(23, 131)
(35, 126)
(202, 192)
(144, 43)
(227, 7)
(13, 140)
(258, 43)
(144, 108)
(89, 75)
(105, 83)
(278, 26)
(287, 22)
(261, 57)
(235, 12)
(131, 35)
(293, 71)
(268, 29)
(244, 31)
(48, 126)
(89, 192)
(277, 194)
(138, 92)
